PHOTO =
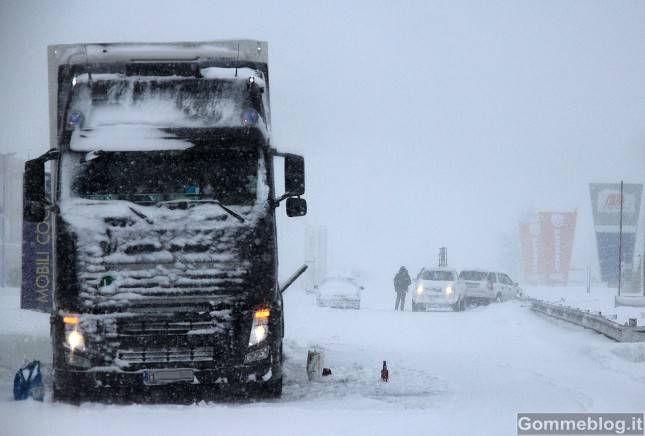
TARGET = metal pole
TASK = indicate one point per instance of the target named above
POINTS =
(620, 240)
(4, 218)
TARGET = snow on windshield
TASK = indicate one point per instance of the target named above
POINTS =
(127, 113)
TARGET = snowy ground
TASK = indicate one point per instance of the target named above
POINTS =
(450, 373)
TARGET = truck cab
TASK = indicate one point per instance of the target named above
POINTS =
(165, 251)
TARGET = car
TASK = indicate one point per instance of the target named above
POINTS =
(476, 281)
(502, 287)
(339, 291)
(439, 288)
(484, 286)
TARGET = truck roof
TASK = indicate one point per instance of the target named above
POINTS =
(242, 50)
(234, 52)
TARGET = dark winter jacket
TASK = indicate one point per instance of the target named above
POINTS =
(402, 280)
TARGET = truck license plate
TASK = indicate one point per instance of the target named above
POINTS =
(162, 376)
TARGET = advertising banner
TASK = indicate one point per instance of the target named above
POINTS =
(606, 208)
(532, 252)
(37, 277)
(556, 234)
(315, 257)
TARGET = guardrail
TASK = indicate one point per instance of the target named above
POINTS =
(590, 320)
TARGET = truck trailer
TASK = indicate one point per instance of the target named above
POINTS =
(165, 257)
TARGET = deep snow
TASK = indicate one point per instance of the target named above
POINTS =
(450, 373)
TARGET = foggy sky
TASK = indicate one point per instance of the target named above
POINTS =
(423, 124)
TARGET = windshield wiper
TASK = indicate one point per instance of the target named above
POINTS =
(92, 155)
(235, 215)
(141, 215)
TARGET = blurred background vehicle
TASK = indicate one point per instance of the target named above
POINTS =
(483, 287)
(477, 290)
(340, 291)
(501, 287)
(439, 288)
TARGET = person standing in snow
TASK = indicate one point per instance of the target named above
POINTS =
(401, 283)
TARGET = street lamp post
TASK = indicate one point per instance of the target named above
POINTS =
(4, 217)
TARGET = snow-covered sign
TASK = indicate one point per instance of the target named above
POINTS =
(315, 257)
(606, 207)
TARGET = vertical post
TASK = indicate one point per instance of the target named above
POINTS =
(588, 279)
(620, 240)
(5, 179)
(443, 257)
(4, 219)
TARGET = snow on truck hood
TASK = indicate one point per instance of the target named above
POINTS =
(91, 215)
(150, 253)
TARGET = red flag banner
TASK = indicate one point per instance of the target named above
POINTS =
(556, 235)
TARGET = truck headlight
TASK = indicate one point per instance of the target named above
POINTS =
(260, 327)
(73, 335)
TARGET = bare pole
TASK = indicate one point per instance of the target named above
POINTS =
(4, 219)
(620, 240)
(5, 180)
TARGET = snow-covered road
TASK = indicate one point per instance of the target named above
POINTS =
(450, 373)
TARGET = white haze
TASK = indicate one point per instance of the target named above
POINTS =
(423, 124)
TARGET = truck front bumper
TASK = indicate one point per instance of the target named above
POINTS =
(79, 384)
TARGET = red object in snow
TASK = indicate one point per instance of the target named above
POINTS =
(385, 374)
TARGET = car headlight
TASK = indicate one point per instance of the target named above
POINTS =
(419, 289)
(260, 326)
(74, 339)
(449, 290)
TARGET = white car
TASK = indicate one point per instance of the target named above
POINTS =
(486, 286)
(501, 287)
(439, 288)
(476, 281)
(341, 292)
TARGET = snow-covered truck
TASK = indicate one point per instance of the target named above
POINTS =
(165, 262)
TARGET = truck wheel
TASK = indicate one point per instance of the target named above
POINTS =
(65, 396)
(273, 388)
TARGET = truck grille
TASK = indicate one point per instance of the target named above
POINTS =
(179, 337)
(167, 355)
(175, 291)
(143, 328)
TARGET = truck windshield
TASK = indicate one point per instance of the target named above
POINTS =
(160, 102)
(229, 176)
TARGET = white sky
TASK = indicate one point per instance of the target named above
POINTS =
(423, 124)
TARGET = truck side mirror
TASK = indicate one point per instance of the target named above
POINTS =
(296, 207)
(34, 180)
(294, 174)
(34, 191)
(33, 211)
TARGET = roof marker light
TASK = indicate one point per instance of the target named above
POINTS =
(75, 119)
(250, 117)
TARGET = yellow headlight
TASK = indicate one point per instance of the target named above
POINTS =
(420, 289)
(449, 290)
